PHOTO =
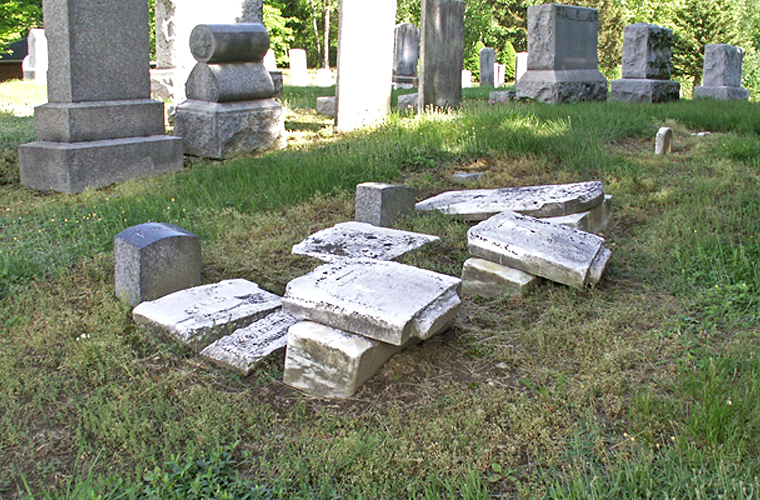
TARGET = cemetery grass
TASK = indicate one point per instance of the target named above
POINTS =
(647, 386)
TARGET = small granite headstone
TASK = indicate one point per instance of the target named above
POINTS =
(299, 74)
(35, 64)
(381, 204)
(155, 259)
(466, 79)
(664, 141)
(406, 51)
(326, 106)
(722, 73)
(521, 64)
(487, 67)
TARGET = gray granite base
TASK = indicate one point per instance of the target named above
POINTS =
(71, 167)
(555, 86)
(326, 106)
(635, 90)
(722, 93)
(227, 129)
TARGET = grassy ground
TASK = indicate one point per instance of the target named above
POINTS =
(647, 386)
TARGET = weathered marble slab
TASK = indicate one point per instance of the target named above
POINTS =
(354, 240)
(592, 221)
(328, 362)
(201, 314)
(552, 251)
(382, 300)
(538, 201)
(241, 350)
(489, 279)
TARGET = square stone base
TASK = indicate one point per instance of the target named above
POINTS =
(555, 86)
(722, 93)
(71, 167)
(227, 129)
(637, 90)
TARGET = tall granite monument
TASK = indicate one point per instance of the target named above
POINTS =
(487, 67)
(722, 73)
(563, 65)
(100, 125)
(442, 53)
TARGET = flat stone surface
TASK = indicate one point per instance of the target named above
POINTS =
(562, 37)
(244, 348)
(647, 52)
(647, 91)
(468, 177)
(200, 315)
(332, 363)
(491, 280)
(326, 106)
(382, 204)
(555, 252)
(155, 259)
(354, 240)
(538, 201)
(442, 53)
(382, 300)
(592, 221)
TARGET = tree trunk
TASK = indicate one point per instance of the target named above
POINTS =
(314, 25)
(326, 52)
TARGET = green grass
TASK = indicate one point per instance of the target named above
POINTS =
(646, 386)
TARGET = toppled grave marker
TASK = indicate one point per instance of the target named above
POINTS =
(538, 201)
(489, 279)
(353, 240)
(592, 221)
(558, 253)
(244, 348)
(200, 315)
(329, 362)
(382, 300)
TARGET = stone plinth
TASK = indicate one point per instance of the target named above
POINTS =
(722, 74)
(491, 280)
(155, 259)
(365, 62)
(562, 55)
(442, 53)
(228, 129)
(382, 204)
(641, 90)
(381, 300)
(487, 67)
(552, 251)
(356, 240)
(200, 315)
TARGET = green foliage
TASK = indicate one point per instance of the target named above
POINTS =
(281, 35)
(17, 17)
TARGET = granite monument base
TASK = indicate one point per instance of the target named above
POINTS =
(637, 90)
(71, 167)
(555, 86)
(227, 129)
(723, 93)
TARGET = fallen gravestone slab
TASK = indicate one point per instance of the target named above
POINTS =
(552, 251)
(353, 240)
(592, 221)
(539, 201)
(200, 315)
(489, 279)
(328, 362)
(244, 348)
(382, 300)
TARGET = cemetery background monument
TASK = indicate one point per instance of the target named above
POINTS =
(487, 67)
(406, 55)
(442, 53)
(722, 73)
(646, 66)
(563, 65)
(100, 125)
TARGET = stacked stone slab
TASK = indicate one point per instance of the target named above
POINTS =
(562, 55)
(230, 110)
(722, 74)
(406, 55)
(646, 66)
(99, 125)
(442, 54)
(358, 314)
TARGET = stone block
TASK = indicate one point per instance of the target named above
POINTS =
(228, 129)
(331, 363)
(299, 74)
(521, 64)
(664, 141)
(468, 177)
(229, 82)
(365, 62)
(326, 106)
(98, 120)
(381, 300)
(244, 348)
(355, 240)
(71, 167)
(491, 280)
(500, 72)
(552, 251)
(200, 315)
(408, 101)
(442, 53)
(647, 91)
(647, 52)
(722, 66)
(722, 93)
(560, 86)
(406, 50)
(382, 204)
(501, 96)
(487, 67)
(594, 221)
(538, 201)
(155, 259)
(229, 43)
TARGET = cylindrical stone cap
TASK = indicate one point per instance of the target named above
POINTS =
(225, 43)
(229, 82)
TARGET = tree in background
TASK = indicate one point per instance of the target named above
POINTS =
(17, 17)
(281, 35)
